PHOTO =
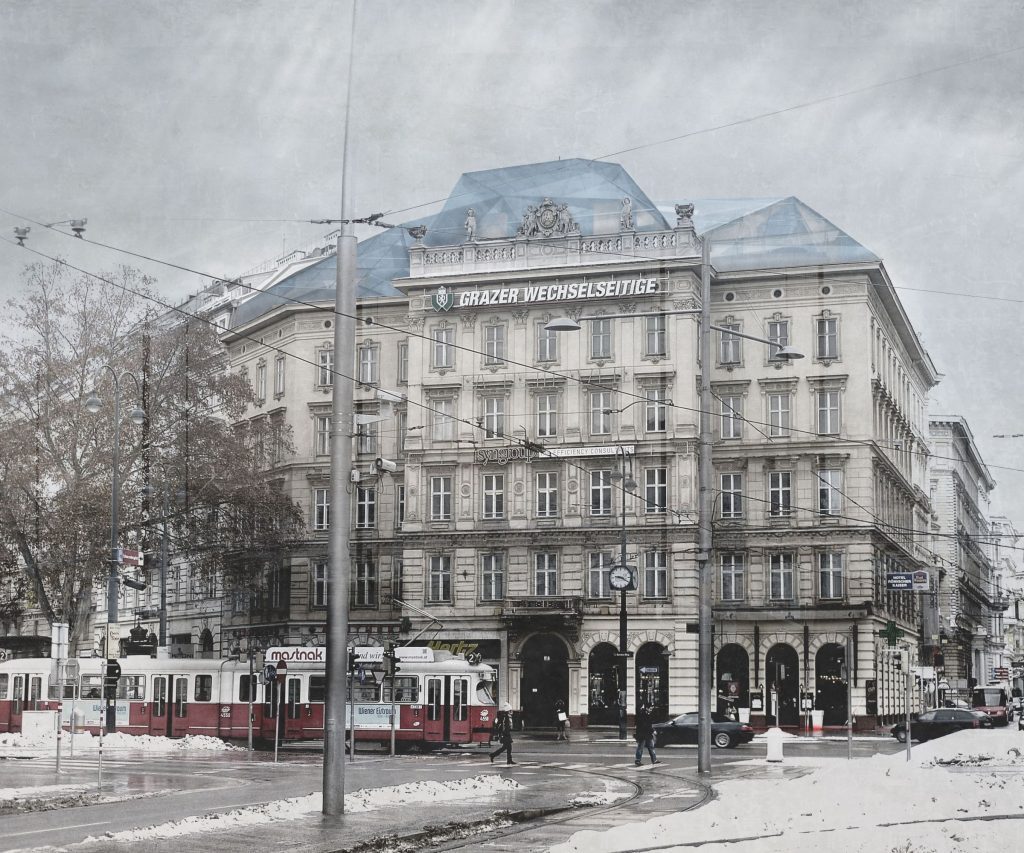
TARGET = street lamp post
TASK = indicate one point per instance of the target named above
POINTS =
(621, 578)
(137, 415)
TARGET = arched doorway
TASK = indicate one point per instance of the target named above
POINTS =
(781, 679)
(652, 679)
(732, 680)
(830, 683)
(602, 686)
(544, 679)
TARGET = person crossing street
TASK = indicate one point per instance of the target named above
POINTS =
(503, 732)
(644, 735)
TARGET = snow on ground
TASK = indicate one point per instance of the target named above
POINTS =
(845, 804)
(117, 740)
(366, 800)
(38, 792)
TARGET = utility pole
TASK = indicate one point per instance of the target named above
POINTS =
(705, 504)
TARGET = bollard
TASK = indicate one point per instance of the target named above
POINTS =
(774, 738)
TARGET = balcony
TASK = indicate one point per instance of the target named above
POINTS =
(557, 612)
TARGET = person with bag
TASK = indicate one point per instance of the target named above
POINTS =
(644, 735)
(561, 720)
(503, 732)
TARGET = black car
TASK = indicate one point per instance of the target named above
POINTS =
(933, 724)
(725, 733)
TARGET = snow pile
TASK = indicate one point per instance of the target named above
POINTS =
(9, 796)
(365, 800)
(970, 774)
(117, 740)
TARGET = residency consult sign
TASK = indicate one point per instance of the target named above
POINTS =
(444, 299)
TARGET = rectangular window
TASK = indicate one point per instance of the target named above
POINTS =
(369, 368)
(656, 409)
(439, 582)
(830, 487)
(366, 438)
(601, 338)
(830, 574)
(443, 349)
(828, 412)
(366, 507)
(494, 496)
(204, 688)
(261, 381)
(597, 580)
(399, 505)
(547, 344)
(320, 590)
(729, 345)
(492, 577)
(827, 337)
(547, 494)
(248, 688)
(656, 491)
(494, 417)
(778, 334)
(655, 335)
(778, 414)
(403, 362)
(732, 496)
(494, 344)
(732, 577)
(780, 493)
(600, 412)
(321, 509)
(656, 574)
(545, 574)
(365, 583)
(601, 492)
(325, 367)
(440, 498)
(401, 430)
(442, 419)
(732, 416)
(317, 688)
(547, 415)
(279, 376)
(322, 437)
(780, 570)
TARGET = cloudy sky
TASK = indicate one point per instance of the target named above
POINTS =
(207, 133)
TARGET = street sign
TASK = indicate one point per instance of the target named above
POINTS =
(282, 668)
(113, 639)
(131, 557)
(269, 673)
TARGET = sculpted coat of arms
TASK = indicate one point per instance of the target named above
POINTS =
(548, 220)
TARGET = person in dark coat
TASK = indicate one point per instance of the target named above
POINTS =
(644, 735)
(503, 732)
(561, 718)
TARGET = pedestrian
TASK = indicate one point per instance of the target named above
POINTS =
(503, 732)
(644, 735)
(561, 720)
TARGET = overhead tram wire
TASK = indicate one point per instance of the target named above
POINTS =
(409, 333)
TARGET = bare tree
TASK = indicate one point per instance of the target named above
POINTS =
(56, 463)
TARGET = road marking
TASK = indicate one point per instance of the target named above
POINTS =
(55, 829)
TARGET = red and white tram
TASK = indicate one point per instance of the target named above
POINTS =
(440, 698)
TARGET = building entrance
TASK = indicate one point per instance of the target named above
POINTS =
(781, 678)
(544, 679)
(830, 684)
(603, 684)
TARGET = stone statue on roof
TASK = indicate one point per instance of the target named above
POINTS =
(470, 224)
(626, 216)
(684, 216)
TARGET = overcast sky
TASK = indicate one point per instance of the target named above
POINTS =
(208, 133)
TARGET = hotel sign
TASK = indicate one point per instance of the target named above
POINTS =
(444, 299)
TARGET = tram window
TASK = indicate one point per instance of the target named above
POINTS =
(434, 698)
(19, 687)
(4, 679)
(294, 697)
(485, 692)
(248, 688)
(131, 687)
(368, 692)
(407, 689)
(270, 698)
(92, 686)
(35, 689)
(317, 688)
(159, 695)
(460, 707)
(204, 688)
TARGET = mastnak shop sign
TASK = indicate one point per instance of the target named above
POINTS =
(445, 299)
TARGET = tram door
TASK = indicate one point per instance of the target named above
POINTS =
(294, 710)
(447, 705)
(169, 714)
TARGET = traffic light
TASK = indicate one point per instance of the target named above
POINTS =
(391, 657)
(110, 677)
(351, 661)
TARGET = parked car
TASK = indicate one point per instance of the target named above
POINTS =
(942, 721)
(725, 733)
